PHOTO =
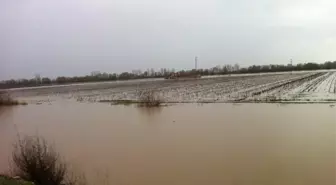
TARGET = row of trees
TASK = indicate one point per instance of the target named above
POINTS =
(151, 73)
(95, 76)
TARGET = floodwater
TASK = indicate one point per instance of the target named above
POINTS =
(184, 144)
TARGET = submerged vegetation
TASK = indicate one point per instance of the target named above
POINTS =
(145, 98)
(119, 102)
(149, 98)
(6, 100)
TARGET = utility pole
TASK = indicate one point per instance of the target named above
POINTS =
(37, 79)
(291, 62)
(196, 59)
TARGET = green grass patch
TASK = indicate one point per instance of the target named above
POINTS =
(4, 180)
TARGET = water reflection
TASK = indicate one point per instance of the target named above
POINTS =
(149, 115)
(7, 133)
(150, 111)
(6, 111)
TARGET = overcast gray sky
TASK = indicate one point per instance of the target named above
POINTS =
(75, 37)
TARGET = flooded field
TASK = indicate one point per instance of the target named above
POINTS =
(181, 144)
(316, 86)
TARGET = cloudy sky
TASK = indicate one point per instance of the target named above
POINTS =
(75, 37)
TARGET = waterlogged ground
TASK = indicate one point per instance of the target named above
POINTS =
(232, 142)
(315, 86)
(185, 144)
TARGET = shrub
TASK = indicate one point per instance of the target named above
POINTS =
(36, 161)
(149, 98)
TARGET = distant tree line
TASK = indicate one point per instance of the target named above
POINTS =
(151, 73)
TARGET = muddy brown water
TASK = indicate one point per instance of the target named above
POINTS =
(184, 144)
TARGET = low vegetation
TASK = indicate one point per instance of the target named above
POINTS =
(6, 100)
(145, 98)
(5, 180)
(119, 102)
(34, 160)
(149, 98)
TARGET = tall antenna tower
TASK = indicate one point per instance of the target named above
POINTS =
(196, 59)
(291, 62)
